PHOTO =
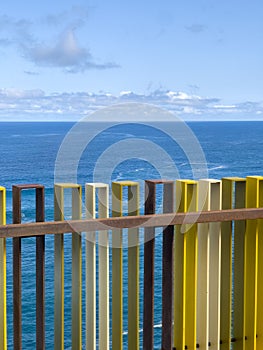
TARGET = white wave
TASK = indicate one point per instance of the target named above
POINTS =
(118, 134)
(159, 325)
(140, 169)
(36, 135)
(218, 167)
(119, 177)
(45, 135)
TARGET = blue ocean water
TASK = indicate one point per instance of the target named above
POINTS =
(28, 153)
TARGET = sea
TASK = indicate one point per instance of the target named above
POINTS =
(29, 153)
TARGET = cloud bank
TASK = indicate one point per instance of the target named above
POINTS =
(19, 105)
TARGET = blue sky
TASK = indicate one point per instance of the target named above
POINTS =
(62, 60)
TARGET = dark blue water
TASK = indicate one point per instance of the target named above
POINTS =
(28, 153)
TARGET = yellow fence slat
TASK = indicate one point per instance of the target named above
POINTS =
(76, 299)
(185, 272)
(103, 212)
(208, 291)
(215, 268)
(204, 194)
(191, 271)
(59, 269)
(251, 265)
(226, 268)
(117, 295)
(133, 270)
(259, 335)
(103, 272)
(117, 269)
(233, 196)
(179, 273)
(3, 320)
(59, 272)
(239, 251)
(253, 284)
(90, 199)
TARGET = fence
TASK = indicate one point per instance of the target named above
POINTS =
(212, 287)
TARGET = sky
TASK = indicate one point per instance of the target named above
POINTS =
(61, 60)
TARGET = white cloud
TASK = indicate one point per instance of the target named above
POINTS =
(20, 94)
(20, 105)
(64, 52)
(190, 110)
(125, 93)
(224, 106)
(7, 106)
(181, 96)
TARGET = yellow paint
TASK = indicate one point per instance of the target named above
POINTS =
(259, 340)
(76, 301)
(233, 196)
(253, 287)
(59, 272)
(226, 267)
(103, 212)
(117, 302)
(215, 267)
(204, 192)
(133, 270)
(117, 268)
(67, 185)
(185, 269)
(3, 320)
(251, 266)
(59, 269)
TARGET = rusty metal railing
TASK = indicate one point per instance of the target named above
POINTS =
(211, 262)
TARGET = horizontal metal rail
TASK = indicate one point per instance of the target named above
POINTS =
(155, 220)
